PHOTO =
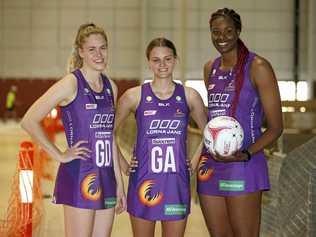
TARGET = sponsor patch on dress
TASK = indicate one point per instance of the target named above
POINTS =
(232, 185)
(175, 209)
(150, 112)
(110, 202)
(91, 106)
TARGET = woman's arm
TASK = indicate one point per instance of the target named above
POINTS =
(120, 192)
(198, 114)
(263, 78)
(127, 104)
(61, 93)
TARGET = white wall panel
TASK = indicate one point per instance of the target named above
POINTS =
(43, 18)
(73, 3)
(267, 29)
(16, 3)
(17, 63)
(44, 63)
(101, 3)
(72, 18)
(103, 17)
(17, 18)
(16, 38)
(45, 38)
(127, 18)
(127, 3)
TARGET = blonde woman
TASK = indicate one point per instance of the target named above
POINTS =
(89, 182)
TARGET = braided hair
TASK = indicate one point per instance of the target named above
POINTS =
(242, 53)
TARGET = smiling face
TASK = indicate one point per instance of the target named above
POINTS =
(94, 52)
(224, 34)
(162, 62)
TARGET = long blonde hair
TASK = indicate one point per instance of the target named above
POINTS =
(84, 31)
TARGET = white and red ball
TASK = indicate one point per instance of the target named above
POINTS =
(223, 135)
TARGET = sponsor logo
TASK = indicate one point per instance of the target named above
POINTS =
(179, 113)
(175, 209)
(165, 126)
(149, 193)
(160, 104)
(90, 190)
(213, 72)
(91, 106)
(204, 173)
(178, 98)
(220, 77)
(218, 97)
(232, 185)
(86, 91)
(110, 202)
(216, 113)
(149, 98)
(102, 121)
(99, 97)
(108, 91)
(230, 86)
(211, 86)
(150, 112)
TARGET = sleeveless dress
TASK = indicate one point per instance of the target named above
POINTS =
(234, 178)
(90, 183)
(160, 187)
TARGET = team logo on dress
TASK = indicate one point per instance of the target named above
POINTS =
(149, 98)
(178, 98)
(148, 193)
(213, 72)
(90, 190)
(108, 91)
(204, 173)
(91, 106)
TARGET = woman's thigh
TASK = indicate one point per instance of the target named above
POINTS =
(103, 222)
(142, 227)
(173, 228)
(216, 216)
(78, 222)
(245, 214)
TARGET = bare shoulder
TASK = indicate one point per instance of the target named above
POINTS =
(134, 91)
(190, 92)
(260, 63)
(131, 97)
(208, 66)
(193, 97)
(67, 80)
(262, 73)
(206, 71)
(68, 87)
(113, 84)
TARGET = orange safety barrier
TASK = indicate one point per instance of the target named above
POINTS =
(25, 209)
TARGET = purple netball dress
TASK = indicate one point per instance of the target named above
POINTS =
(234, 178)
(160, 187)
(88, 183)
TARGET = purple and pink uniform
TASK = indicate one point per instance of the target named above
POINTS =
(235, 178)
(88, 183)
(160, 187)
